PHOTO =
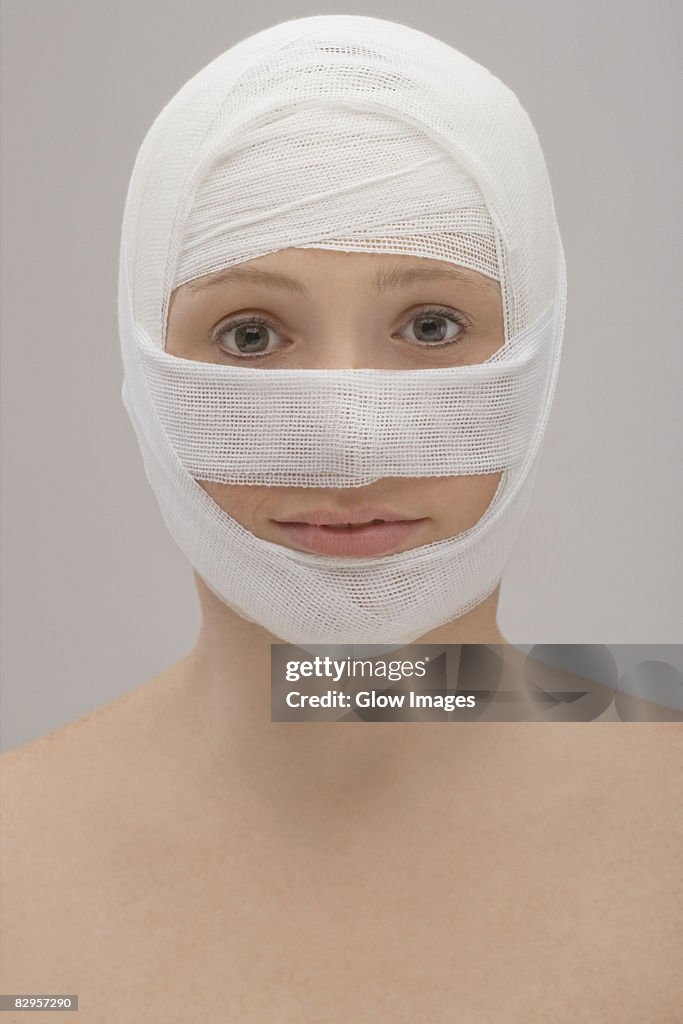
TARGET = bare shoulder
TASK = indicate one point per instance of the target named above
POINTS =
(653, 745)
(62, 791)
(628, 758)
(29, 771)
(74, 813)
(59, 742)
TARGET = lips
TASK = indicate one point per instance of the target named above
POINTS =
(362, 515)
(362, 532)
(351, 526)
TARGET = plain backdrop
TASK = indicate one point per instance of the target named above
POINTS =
(96, 597)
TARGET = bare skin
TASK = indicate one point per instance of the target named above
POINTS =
(175, 856)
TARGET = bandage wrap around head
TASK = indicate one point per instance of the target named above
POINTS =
(356, 134)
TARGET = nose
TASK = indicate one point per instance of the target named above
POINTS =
(346, 350)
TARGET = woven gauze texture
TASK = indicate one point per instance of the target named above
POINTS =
(356, 134)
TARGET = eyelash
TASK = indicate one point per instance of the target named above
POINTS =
(447, 314)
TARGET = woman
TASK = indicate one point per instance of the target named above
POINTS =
(342, 301)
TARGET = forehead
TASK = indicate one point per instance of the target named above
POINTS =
(299, 270)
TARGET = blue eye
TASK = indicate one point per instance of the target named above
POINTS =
(246, 337)
(432, 327)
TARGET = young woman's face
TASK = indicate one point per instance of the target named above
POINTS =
(323, 309)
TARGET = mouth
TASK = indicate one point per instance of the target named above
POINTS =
(349, 526)
(359, 532)
(364, 515)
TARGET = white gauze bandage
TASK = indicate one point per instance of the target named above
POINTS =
(357, 134)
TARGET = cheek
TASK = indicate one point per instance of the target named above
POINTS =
(458, 503)
(239, 501)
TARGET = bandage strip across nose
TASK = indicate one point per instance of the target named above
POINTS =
(345, 428)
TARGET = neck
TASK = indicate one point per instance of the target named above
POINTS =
(225, 699)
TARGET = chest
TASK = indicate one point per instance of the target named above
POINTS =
(506, 930)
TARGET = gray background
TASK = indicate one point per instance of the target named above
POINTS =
(96, 598)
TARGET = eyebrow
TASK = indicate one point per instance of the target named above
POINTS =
(385, 280)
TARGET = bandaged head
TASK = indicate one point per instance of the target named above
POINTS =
(355, 134)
